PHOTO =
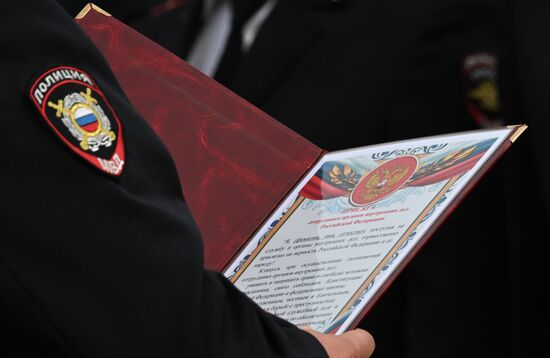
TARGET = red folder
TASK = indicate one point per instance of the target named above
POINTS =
(235, 162)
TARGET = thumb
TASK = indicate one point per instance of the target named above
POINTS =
(361, 340)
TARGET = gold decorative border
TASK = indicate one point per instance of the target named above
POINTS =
(89, 7)
(380, 265)
(396, 247)
(268, 237)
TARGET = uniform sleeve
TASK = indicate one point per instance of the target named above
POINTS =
(94, 264)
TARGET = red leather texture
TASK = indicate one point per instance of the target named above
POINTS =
(235, 162)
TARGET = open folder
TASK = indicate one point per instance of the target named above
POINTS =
(311, 236)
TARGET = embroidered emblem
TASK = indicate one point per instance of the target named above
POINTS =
(481, 90)
(78, 112)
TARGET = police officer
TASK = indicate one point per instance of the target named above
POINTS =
(99, 256)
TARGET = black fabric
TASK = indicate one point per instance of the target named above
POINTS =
(232, 56)
(175, 29)
(97, 266)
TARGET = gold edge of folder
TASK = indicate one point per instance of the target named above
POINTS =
(89, 7)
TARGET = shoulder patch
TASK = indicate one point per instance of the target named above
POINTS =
(78, 113)
(480, 71)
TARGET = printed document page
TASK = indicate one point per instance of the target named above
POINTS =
(338, 236)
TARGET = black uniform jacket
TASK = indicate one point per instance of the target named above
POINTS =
(95, 265)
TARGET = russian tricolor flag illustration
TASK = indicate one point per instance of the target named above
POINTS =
(86, 119)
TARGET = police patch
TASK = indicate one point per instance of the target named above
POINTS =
(78, 112)
(480, 71)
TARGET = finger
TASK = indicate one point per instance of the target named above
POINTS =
(362, 341)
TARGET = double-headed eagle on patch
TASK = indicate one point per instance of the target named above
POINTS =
(85, 119)
(78, 112)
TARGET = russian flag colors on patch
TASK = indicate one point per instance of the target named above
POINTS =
(79, 114)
